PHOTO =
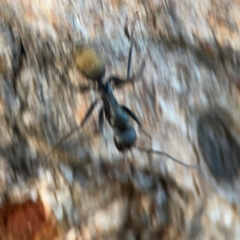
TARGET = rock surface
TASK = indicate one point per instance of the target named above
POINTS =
(187, 99)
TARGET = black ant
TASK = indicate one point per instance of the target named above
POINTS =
(118, 116)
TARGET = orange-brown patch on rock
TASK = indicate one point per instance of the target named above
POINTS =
(116, 3)
(82, 108)
(27, 221)
(209, 49)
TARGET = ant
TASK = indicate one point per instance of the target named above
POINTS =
(118, 116)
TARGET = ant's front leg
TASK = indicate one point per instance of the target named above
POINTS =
(118, 82)
(101, 120)
(84, 88)
(140, 71)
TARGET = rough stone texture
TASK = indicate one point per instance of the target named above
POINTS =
(187, 100)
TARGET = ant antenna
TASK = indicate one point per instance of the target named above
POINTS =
(134, 24)
(126, 31)
(147, 150)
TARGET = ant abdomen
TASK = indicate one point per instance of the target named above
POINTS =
(89, 63)
(126, 139)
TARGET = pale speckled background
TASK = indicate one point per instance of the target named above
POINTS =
(186, 72)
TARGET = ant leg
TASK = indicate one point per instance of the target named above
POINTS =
(117, 80)
(120, 81)
(131, 49)
(131, 114)
(135, 118)
(101, 120)
(100, 123)
(93, 105)
(84, 88)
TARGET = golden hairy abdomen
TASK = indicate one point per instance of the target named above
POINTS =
(89, 63)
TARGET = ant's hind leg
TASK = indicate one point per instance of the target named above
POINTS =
(100, 123)
(88, 114)
(131, 114)
(101, 120)
(135, 118)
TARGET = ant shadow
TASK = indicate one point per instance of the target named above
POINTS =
(220, 149)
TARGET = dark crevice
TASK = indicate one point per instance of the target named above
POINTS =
(218, 146)
(17, 63)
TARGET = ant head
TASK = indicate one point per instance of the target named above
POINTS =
(126, 139)
(89, 63)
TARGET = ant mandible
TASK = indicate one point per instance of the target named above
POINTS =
(118, 116)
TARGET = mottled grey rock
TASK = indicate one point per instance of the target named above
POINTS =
(191, 53)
